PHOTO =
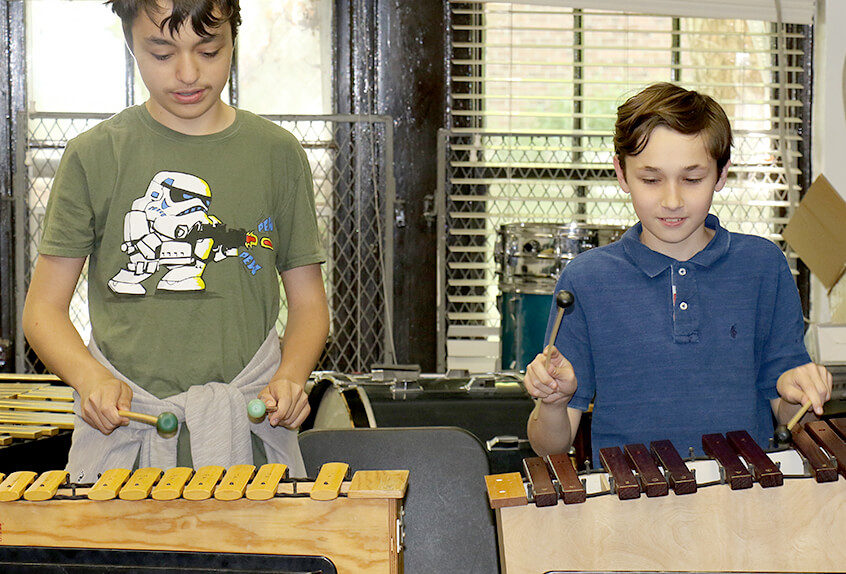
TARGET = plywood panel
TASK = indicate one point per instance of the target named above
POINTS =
(358, 535)
(797, 527)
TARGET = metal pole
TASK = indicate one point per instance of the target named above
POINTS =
(440, 281)
(19, 193)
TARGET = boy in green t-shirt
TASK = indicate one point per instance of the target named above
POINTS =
(185, 209)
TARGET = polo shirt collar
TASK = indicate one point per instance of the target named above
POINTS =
(653, 263)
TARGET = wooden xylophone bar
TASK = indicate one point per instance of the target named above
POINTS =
(355, 524)
(768, 519)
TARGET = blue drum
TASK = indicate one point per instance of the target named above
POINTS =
(531, 257)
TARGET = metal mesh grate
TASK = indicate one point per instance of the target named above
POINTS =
(351, 163)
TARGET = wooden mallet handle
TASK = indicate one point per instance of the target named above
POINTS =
(799, 414)
(166, 423)
(141, 418)
(563, 299)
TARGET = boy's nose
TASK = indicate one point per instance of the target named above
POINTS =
(672, 199)
(187, 70)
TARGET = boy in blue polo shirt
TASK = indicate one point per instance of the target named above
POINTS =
(680, 328)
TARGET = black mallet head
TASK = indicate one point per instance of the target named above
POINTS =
(564, 299)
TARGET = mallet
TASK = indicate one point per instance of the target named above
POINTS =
(783, 433)
(563, 299)
(166, 423)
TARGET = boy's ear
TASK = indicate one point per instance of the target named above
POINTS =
(621, 174)
(721, 181)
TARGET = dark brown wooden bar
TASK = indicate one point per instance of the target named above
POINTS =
(821, 466)
(717, 447)
(763, 469)
(651, 479)
(571, 489)
(839, 425)
(828, 438)
(537, 474)
(624, 479)
(679, 477)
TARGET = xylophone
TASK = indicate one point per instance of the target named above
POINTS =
(36, 420)
(355, 524)
(740, 510)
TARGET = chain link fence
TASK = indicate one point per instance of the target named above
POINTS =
(351, 159)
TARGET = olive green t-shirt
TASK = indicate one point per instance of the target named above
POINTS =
(184, 235)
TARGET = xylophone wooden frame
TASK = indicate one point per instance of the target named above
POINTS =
(355, 534)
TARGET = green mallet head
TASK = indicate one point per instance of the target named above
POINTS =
(256, 408)
(166, 423)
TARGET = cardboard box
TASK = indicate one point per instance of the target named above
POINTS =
(826, 343)
(817, 232)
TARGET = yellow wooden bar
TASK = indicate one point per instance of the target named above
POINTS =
(12, 488)
(172, 484)
(263, 486)
(234, 483)
(378, 484)
(28, 431)
(5, 439)
(45, 487)
(109, 484)
(140, 484)
(46, 379)
(52, 392)
(506, 490)
(203, 483)
(22, 404)
(61, 420)
(328, 482)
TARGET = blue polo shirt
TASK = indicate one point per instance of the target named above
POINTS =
(674, 350)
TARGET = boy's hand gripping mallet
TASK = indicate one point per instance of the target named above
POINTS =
(563, 299)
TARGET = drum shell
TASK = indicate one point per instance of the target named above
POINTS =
(533, 253)
(523, 320)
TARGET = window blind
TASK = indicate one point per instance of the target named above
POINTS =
(533, 92)
(787, 11)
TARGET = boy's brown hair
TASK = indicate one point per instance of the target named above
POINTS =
(202, 14)
(685, 111)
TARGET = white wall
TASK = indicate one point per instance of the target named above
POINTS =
(829, 131)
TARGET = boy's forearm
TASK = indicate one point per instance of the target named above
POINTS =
(303, 342)
(549, 429)
(59, 346)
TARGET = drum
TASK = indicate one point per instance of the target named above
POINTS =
(494, 407)
(531, 256)
(523, 317)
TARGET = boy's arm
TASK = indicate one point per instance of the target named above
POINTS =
(552, 425)
(303, 341)
(797, 386)
(51, 333)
